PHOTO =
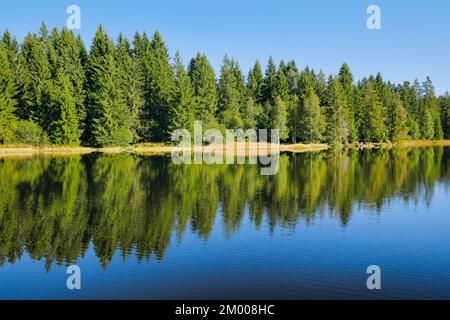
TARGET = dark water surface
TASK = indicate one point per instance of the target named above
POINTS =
(144, 228)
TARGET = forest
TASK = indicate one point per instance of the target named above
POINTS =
(54, 90)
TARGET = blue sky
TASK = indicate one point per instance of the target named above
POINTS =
(414, 40)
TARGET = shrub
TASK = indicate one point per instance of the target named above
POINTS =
(28, 132)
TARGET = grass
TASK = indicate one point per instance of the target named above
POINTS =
(163, 148)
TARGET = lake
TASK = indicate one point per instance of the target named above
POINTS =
(141, 227)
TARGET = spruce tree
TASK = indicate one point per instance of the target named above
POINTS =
(230, 95)
(346, 79)
(204, 83)
(250, 113)
(280, 118)
(431, 106)
(339, 122)
(281, 85)
(131, 82)
(183, 111)
(102, 50)
(159, 90)
(270, 82)
(444, 103)
(65, 127)
(111, 122)
(375, 128)
(7, 100)
(312, 121)
(255, 83)
(66, 62)
(398, 119)
(35, 84)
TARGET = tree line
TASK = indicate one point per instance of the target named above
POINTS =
(53, 90)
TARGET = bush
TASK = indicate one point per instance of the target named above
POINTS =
(28, 132)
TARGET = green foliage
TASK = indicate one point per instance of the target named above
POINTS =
(312, 122)
(121, 92)
(255, 83)
(65, 128)
(113, 126)
(28, 132)
(232, 95)
(398, 119)
(183, 109)
(280, 118)
(203, 81)
(375, 126)
(159, 90)
(444, 104)
(7, 100)
(338, 127)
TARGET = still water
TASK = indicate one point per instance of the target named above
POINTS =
(140, 227)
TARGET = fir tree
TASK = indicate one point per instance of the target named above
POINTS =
(338, 126)
(280, 118)
(65, 128)
(230, 95)
(444, 103)
(375, 128)
(255, 83)
(182, 115)
(159, 90)
(111, 121)
(312, 121)
(7, 101)
(203, 81)
(132, 83)
(398, 116)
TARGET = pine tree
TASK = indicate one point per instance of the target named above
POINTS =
(346, 79)
(159, 90)
(321, 88)
(265, 120)
(312, 123)
(65, 128)
(182, 115)
(375, 128)
(7, 101)
(444, 103)
(102, 49)
(110, 120)
(255, 83)
(66, 62)
(250, 114)
(230, 95)
(270, 82)
(339, 126)
(293, 78)
(431, 106)
(203, 81)
(11, 48)
(280, 118)
(35, 84)
(132, 83)
(281, 85)
(113, 126)
(398, 119)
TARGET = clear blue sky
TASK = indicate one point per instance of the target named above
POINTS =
(414, 40)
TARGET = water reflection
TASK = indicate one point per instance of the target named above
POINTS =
(54, 208)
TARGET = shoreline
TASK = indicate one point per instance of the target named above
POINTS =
(154, 148)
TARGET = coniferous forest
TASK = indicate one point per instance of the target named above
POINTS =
(55, 90)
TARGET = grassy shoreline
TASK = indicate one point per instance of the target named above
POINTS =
(160, 148)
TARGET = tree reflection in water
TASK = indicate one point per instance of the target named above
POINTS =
(53, 208)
